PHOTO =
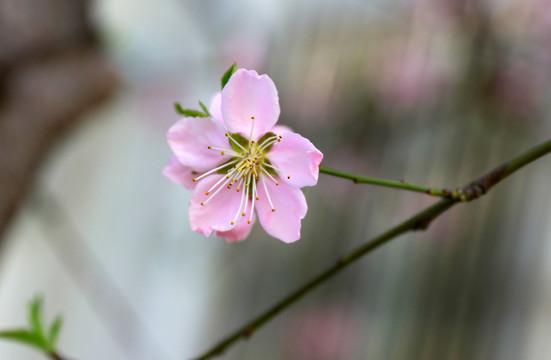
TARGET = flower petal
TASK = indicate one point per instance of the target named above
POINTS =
(180, 173)
(190, 138)
(215, 107)
(247, 95)
(218, 213)
(281, 129)
(240, 230)
(298, 160)
(290, 206)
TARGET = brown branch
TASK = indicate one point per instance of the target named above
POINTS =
(56, 356)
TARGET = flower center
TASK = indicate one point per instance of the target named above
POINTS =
(246, 170)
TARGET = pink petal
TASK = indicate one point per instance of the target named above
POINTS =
(290, 206)
(281, 129)
(297, 158)
(249, 95)
(180, 173)
(215, 107)
(240, 231)
(190, 138)
(218, 213)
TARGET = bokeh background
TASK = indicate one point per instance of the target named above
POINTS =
(433, 92)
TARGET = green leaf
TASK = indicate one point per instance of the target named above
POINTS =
(227, 75)
(35, 315)
(188, 112)
(54, 332)
(205, 110)
(241, 140)
(25, 336)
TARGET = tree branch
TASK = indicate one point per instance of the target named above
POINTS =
(419, 221)
(56, 356)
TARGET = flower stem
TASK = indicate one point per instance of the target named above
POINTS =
(420, 221)
(360, 179)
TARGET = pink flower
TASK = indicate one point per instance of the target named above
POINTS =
(238, 161)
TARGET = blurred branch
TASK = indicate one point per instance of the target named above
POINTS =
(419, 221)
(56, 356)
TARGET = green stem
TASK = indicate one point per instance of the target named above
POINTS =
(360, 179)
(420, 221)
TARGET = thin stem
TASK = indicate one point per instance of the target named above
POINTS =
(55, 356)
(419, 221)
(360, 179)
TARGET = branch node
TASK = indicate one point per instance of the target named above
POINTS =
(422, 225)
(248, 332)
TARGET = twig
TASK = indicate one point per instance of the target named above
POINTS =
(419, 221)
(56, 356)
(361, 179)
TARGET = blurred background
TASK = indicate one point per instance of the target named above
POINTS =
(433, 92)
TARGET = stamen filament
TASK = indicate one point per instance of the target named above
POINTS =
(267, 194)
(215, 185)
(216, 192)
(239, 184)
(215, 169)
(235, 141)
(239, 209)
(266, 144)
(268, 139)
(273, 167)
(252, 200)
(246, 193)
(251, 135)
(224, 151)
(270, 176)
